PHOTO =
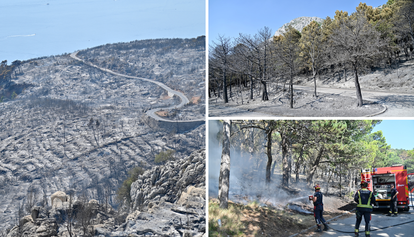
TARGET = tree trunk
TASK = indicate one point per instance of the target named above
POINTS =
(357, 86)
(230, 92)
(291, 89)
(298, 162)
(224, 179)
(327, 183)
(251, 87)
(314, 79)
(350, 181)
(285, 165)
(273, 168)
(309, 179)
(225, 97)
(269, 155)
(289, 164)
(241, 89)
(345, 74)
(264, 93)
(340, 180)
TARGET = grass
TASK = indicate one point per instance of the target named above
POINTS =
(254, 220)
(230, 219)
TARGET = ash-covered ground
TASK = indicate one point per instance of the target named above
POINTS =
(386, 92)
(71, 126)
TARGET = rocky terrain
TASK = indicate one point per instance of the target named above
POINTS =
(167, 200)
(71, 126)
(298, 23)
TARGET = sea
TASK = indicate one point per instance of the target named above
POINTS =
(38, 28)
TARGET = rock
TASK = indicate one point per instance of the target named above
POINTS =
(168, 182)
(25, 219)
(132, 216)
(171, 199)
(298, 23)
(163, 206)
(193, 198)
(35, 213)
(58, 198)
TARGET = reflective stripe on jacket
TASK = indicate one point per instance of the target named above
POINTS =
(368, 203)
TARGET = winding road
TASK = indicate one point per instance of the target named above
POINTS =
(398, 104)
(151, 112)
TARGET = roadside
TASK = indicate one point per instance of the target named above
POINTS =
(397, 104)
(305, 105)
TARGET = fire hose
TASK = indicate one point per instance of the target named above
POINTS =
(381, 228)
(349, 232)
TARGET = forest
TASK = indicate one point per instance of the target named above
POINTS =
(368, 39)
(310, 148)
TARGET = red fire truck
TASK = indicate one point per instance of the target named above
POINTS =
(380, 180)
(411, 183)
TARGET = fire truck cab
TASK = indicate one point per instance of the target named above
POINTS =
(380, 180)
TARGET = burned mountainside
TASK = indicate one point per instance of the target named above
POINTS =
(167, 200)
(76, 127)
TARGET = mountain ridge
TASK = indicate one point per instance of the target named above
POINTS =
(298, 23)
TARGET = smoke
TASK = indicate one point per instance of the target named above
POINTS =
(214, 150)
(247, 175)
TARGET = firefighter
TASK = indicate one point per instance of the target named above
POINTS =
(394, 200)
(318, 209)
(365, 199)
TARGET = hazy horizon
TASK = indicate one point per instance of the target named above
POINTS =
(38, 28)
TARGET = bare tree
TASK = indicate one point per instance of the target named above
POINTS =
(220, 56)
(84, 214)
(94, 125)
(30, 199)
(70, 216)
(257, 51)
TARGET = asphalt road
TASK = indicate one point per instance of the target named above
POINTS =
(398, 104)
(379, 221)
(151, 112)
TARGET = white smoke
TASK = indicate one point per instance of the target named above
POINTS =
(247, 175)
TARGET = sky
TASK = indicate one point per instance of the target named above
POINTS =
(398, 133)
(37, 28)
(231, 17)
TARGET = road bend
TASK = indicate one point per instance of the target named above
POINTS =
(151, 112)
(398, 104)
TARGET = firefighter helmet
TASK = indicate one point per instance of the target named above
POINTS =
(317, 187)
(364, 183)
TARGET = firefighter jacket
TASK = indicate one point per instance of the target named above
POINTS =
(319, 200)
(393, 192)
(364, 199)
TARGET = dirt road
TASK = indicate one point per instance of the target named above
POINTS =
(398, 104)
(378, 223)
